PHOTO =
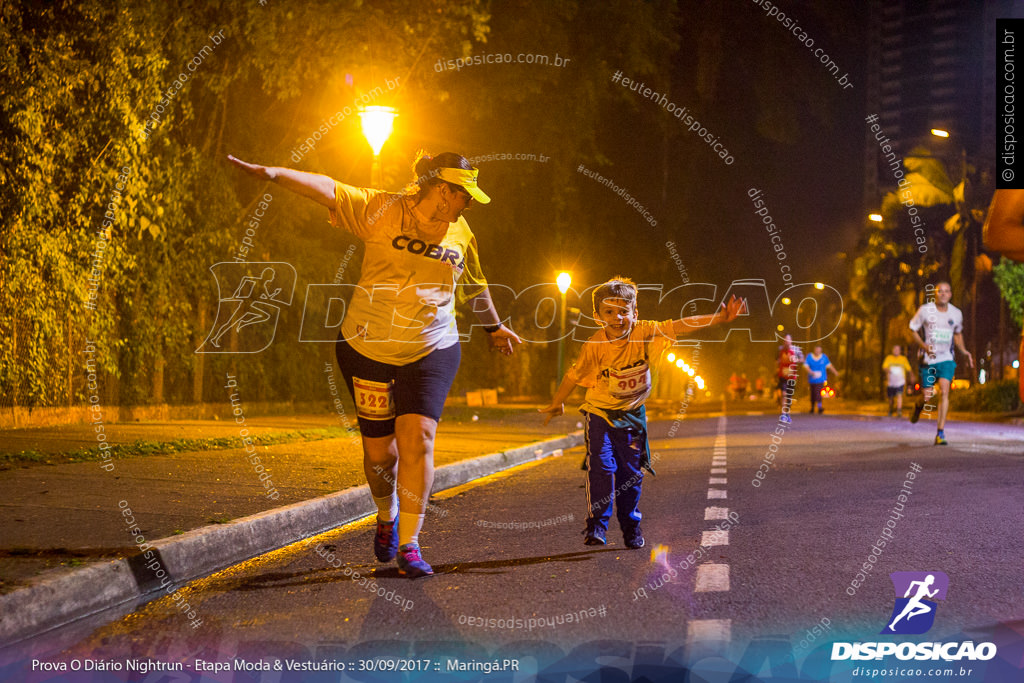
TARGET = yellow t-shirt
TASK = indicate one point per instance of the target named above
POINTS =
(617, 374)
(404, 306)
(897, 368)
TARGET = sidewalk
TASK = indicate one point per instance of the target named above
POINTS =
(62, 516)
(74, 544)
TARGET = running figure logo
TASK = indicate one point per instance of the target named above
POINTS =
(258, 291)
(914, 613)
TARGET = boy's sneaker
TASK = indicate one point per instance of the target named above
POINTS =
(633, 537)
(940, 439)
(595, 536)
(411, 564)
(917, 412)
(385, 542)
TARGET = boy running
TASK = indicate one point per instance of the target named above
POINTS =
(614, 366)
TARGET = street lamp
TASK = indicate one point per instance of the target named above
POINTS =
(875, 217)
(378, 122)
(563, 281)
(972, 230)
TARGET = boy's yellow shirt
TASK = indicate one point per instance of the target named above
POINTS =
(617, 374)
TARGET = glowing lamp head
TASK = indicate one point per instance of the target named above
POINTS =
(875, 217)
(378, 122)
(819, 285)
(671, 358)
(680, 363)
(939, 133)
(563, 281)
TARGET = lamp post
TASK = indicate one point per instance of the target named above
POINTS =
(972, 237)
(378, 122)
(563, 281)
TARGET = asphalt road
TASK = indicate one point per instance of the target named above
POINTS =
(536, 596)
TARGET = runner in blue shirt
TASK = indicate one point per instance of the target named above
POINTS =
(818, 365)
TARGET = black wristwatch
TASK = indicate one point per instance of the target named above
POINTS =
(491, 329)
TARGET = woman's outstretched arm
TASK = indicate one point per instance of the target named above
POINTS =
(319, 188)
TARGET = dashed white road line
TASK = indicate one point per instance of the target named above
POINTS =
(708, 631)
(715, 537)
(716, 513)
(712, 577)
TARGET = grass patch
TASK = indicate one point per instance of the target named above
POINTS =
(145, 448)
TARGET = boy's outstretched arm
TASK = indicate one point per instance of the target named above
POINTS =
(727, 313)
(557, 406)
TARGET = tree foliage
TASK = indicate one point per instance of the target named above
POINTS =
(157, 95)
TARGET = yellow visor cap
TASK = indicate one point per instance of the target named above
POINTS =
(466, 179)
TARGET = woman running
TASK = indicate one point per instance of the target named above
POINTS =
(399, 347)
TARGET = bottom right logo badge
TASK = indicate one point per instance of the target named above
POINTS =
(917, 594)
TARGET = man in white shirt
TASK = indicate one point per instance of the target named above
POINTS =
(942, 324)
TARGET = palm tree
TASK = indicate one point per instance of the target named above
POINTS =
(924, 200)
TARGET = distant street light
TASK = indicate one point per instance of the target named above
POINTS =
(972, 231)
(875, 217)
(819, 285)
(786, 301)
(378, 122)
(563, 281)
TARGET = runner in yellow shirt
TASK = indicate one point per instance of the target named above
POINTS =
(897, 369)
(399, 345)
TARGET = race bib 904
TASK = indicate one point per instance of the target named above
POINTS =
(374, 400)
(629, 383)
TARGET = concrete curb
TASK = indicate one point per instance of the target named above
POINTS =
(175, 561)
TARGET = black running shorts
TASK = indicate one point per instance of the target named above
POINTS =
(382, 392)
